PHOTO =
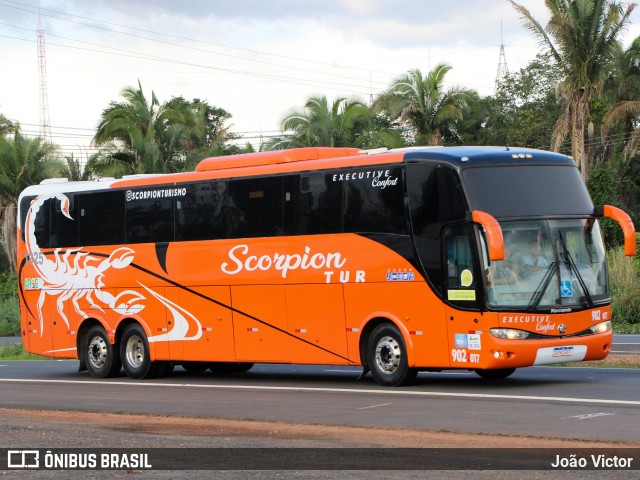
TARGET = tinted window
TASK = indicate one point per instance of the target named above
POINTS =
(255, 207)
(374, 200)
(51, 227)
(434, 200)
(461, 274)
(63, 229)
(101, 217)
(527, 190)
(201, 214)
(24, 209)
(313, 204)
(150, 220)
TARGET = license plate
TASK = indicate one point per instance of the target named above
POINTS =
(563, 351)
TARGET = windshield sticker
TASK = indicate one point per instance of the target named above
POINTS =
(462, 295)
(566, 288)
(466, 278)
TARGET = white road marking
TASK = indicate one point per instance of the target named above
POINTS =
(374, 406)
(588, 416)
(389, 391)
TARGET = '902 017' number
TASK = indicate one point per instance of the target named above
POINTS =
(459, 355)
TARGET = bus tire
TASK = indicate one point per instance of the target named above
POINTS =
(134, 354)
(496, 374)
(100, 356)
(387, 357)
(164, 369)
(226, 368)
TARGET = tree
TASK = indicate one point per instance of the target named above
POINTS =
(141, 136)
(522, 113)
(344, 123)
(6, 126)
(423, 103)
(623, 86)
(23, 162)
(581, 38)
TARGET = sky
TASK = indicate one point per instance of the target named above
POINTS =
(256, 59)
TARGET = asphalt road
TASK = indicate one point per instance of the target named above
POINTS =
(561, 402)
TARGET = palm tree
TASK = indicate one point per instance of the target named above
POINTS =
(581, 37)
(6, 126)
(23, 162)
(624, 86)
(140, 136)
(423, 103)
(344, 123)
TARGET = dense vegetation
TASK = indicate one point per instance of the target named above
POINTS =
(578, 96)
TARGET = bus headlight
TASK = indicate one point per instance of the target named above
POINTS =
(601, 327)
(509, 333)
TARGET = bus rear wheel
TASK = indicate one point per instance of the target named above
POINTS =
(387, 357)
(135, 356)
(100, 356)
(496, 374)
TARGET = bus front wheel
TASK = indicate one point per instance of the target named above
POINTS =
(387, 357)
(134, 353)
(100, 356)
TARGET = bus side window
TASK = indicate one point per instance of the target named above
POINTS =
(63, 231)
(374, 201)
(255, 207)
(461, 275)
(202, 213)
(42, 225)
(312, 204)
(101, 218)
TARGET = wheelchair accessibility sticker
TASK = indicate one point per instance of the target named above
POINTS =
(566, 288)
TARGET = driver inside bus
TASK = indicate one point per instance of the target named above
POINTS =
(533, 260)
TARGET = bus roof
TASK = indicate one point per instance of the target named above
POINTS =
(319, 158)
(469, 157)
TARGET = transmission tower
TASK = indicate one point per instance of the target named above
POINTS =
(45, 126)
(503, 69)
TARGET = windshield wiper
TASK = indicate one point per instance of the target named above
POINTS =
(568, 260)
(536, 298)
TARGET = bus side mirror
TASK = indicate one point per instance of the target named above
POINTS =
(625, 222)
(493, 231)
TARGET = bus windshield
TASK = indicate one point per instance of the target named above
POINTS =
(549, 264)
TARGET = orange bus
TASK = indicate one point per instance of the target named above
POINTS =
(479, 258)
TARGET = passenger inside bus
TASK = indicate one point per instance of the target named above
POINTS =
(504, 272)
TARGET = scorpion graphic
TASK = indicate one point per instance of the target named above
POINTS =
(75, 274)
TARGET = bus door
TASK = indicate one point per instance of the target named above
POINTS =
(260, 323)
(63, 325)
(38, 335)
(462, 292)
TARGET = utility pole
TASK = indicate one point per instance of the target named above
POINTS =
(45, 126)
(503, 69)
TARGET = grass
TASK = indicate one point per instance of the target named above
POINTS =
(11, 351)
(612, 361)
